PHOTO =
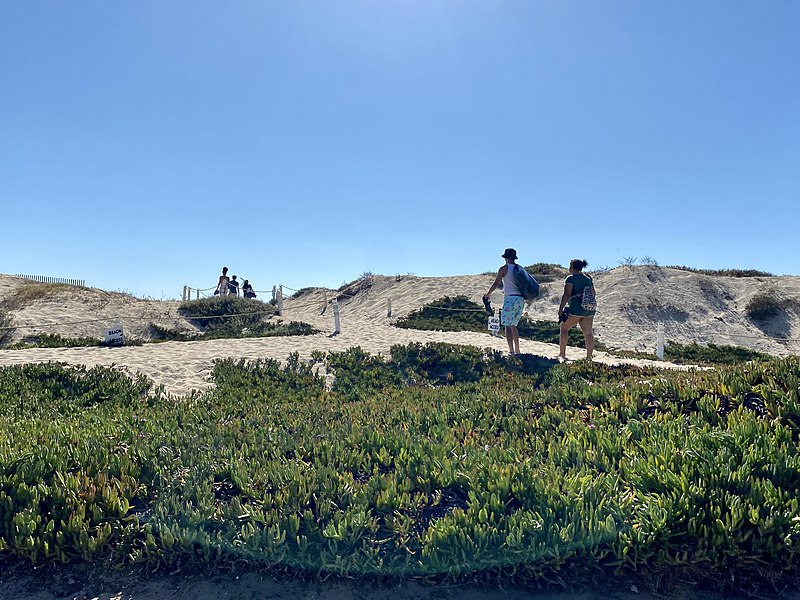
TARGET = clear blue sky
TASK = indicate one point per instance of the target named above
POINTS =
(144, 145)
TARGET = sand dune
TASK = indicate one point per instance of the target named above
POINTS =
(694, 307)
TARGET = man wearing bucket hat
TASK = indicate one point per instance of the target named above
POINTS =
(513, 302)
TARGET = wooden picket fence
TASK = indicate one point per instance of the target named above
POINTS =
(43, 279)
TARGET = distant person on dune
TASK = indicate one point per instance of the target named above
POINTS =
(513, 302)
(578, 306)
(247, 289)
(223, 283)
(233, 286)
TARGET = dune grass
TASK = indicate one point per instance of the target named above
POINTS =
(29, 292)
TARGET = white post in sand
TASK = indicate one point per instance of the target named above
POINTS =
(660, 341)
(324, 301)
(280, 301)
(336, 324)
(389, 306)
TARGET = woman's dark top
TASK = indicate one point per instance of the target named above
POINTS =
(579, 281)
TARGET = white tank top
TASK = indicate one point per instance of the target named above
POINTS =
(509, 286)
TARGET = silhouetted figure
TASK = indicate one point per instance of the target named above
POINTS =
(223, 283)
(247, 290)
(233, 286)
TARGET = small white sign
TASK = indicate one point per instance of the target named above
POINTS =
(494, 323)
(114, 336)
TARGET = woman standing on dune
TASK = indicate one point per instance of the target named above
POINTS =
(576, 308)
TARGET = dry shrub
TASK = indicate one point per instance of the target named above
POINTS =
(28, 293)
(764, 306)
(352, 289)
(547, 272)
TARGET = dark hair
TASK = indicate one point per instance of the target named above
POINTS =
(224, 270)
(578, 264)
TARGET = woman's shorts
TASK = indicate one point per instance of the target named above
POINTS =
(512, 310)
(575, 309)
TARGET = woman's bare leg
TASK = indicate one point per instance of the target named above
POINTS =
(563, 334)
(588, 336)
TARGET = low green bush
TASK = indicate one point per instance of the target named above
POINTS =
(459, 313)
(699, 354)
(712, 354)
(358, 374)
(165, 334)
(54, 340)
(236, 317)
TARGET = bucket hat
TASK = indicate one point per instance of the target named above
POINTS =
(510, 253)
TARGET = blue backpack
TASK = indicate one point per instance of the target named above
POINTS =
(526, 283)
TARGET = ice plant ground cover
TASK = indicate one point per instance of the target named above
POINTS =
(436, 461)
